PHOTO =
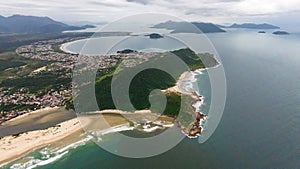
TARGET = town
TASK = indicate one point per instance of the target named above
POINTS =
(18, 101)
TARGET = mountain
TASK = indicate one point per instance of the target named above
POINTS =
(155, 36)
(88, 26)
(253, 26)
(281, 33)
(262, 32)
(208, 27)
(221, 26)
(33, 24)
(185, 27)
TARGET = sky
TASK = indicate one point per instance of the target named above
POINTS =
(284, 13)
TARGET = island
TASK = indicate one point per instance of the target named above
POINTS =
(253, 26)
(126, 51)
(281, 33)
(189, 27)
(154, 36)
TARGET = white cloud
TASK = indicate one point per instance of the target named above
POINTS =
(107, 10)
(267, 7)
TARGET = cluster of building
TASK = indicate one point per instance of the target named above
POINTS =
(99, 62)
(44, 50)
(24, 102)
(136, 58)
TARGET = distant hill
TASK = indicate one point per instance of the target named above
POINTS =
(88, 26)
(154, 36)
(221, 26)
(33, 24)
(252, 26)
(281, 33)
(184, 27)
(262, 32)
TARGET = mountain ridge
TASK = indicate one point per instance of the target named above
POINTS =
(251, 26)
(186, 27)
(33, 24)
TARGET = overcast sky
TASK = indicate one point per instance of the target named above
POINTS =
(284, 13)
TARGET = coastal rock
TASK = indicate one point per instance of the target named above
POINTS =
(196, 129)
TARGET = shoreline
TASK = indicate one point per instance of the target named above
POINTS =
(196, 129)
(14, 147)
(62, 47)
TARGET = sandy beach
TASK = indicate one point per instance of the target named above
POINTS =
(63, 48)
(17, 145)
(12, 147)
(176, 88)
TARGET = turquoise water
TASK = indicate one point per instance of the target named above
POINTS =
(260, 124)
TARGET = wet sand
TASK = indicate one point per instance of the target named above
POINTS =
(12, 147)
(36, 120)
(67, 132)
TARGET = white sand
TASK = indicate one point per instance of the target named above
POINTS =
(12, 147)
(176, 88)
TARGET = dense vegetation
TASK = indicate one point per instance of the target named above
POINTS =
(148, 80)
(5, 64)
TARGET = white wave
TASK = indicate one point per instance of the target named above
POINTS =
(50, 160)
(46, 155)
(197, 105)
(168, 125)
(115, 129)
(33, 163)
(25, 165)
(75, 145)
(163, 124)
(151, 129)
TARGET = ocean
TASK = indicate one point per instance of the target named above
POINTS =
(260, 124)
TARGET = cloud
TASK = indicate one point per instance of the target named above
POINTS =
(144, 2)
(106, 4)
(108, 10)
